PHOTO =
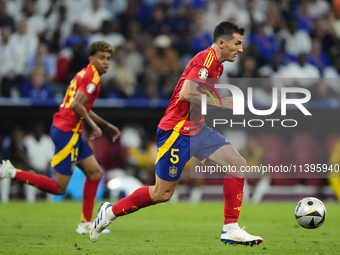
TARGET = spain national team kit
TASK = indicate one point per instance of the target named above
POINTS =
(181, 132)
(66, 129)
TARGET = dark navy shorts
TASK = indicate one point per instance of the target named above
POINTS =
(175, 150)
(70, 148)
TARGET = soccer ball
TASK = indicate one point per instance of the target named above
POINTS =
(310, 213)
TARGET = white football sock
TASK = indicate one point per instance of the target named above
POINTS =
(231, 226)
(109, 214)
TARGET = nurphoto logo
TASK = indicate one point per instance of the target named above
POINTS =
(239, 104)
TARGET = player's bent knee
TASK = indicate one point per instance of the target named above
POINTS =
(239, 162)
(95, 175)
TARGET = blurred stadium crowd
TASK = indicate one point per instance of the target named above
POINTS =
(44, 44)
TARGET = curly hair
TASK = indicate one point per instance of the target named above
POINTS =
(100, 46)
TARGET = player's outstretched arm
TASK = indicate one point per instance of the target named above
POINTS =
(79, 109)
(108, 127)
(190, 94)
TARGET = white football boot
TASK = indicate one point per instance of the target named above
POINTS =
(7, 170)
(240, 236)
(101, 222)
(84, 228)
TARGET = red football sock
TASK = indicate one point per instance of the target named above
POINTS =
(89, 196)
(137, 200)
(233, 195)
(40, 181)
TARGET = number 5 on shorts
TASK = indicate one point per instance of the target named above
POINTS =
(174, 158)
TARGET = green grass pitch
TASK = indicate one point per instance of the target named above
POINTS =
(49, 228)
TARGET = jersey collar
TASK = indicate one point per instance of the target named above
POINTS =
(94, 69)
(211, 49)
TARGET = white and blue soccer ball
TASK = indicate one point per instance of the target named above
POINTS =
(310, 213)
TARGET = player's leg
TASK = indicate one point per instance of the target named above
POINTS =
(56, 186)
(93, 173)
(233, 194)
(173, 153)
(216, 150)
(140, 198)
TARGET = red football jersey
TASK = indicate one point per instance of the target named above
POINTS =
(181, 116)
(88, 81)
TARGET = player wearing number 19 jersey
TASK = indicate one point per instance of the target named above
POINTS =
(71, 148)
(182, 134)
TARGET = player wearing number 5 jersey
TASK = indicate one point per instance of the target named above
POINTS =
(182, 134)
(71, 148)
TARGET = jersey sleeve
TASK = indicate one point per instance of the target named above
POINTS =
(201, 69)
(88, 84)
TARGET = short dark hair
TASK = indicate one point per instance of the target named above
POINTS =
(100, 46)
(226, 28)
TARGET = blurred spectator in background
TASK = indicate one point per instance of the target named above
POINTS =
(267, 44)
(334, 23)
(142, 152)
(129, 16)
(114, 6)
(76, 8)
(304, 17)
(319, 8)
(78, 36)
(202, 38)
(133, 59)
(317, 57)
(25, 45)
(158, 22)
(274, 17)
(285, 56)
(149, 87)
(59, 27)
(300, 74)
(332, 76)
(161, 57)
(136, 34)
(35, 23)
(5, 18)
(37, 88)
(120, 80)
(40, 149)
(249, 15)
(297, 41)
(273, 68)
(12, 148)
(78, 44)
(11, 77)
(94, 16)
(43, 59)
(248, 68)
(109, 34)
(217, 11)
(322, 32)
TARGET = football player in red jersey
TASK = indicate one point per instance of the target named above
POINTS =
(71, 148)
(182, 133)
